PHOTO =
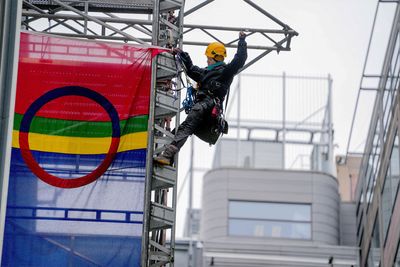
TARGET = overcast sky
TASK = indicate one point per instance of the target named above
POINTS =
(333, 39)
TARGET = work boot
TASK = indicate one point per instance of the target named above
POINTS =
(167, 156)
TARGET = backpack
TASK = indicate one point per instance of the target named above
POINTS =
(218, 125)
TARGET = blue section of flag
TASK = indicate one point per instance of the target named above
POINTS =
(24, 248)
(128, 165)
(85, 226)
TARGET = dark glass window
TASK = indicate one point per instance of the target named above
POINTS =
(374, 249)
(397, 260)
(267, 219)
(390, 187)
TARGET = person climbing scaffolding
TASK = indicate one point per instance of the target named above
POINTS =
(213, 84)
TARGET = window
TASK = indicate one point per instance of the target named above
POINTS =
(267, 219)
(390, 187)
(374, 249)
(375, 244)
(397, 260)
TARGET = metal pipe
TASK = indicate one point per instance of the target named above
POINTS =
(149, 22)
(266, 14)
(142, 30)
(177, 120)
(283, 118)
(279, 76)
(149, 166)
(228, 110)
(211, 35)
(262, 55)
(88, 29)
(128, 36)
(10, 21)
(237, 29)
(85, 27)
(293, 142)
(156, 22)
(279, 128)
(41, 12)
(190, 11)
(238, 123)
(190, 218)
(237, 39)
(256, 47)
(359, 91)
(330, 126)
(99, 37)
(79, 17)
(279, 122)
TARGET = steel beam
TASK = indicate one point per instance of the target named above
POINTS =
(104, 19)
(287, 33)
(267, 14)
(237, 29)
(70, 8)
(190, 11)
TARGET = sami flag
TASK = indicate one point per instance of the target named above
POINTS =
(76, 190)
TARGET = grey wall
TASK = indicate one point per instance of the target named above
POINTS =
(262, 254)
(257, 254)
(348, 225)
(181, 256)
(318, 189)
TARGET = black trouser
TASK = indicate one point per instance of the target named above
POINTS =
(196, 118)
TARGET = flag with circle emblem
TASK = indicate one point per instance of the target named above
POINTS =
(76, 187)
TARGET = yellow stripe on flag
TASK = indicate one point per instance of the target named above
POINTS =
(81, 145)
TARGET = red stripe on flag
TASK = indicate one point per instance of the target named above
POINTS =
(121, 73)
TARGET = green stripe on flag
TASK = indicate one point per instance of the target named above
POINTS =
(82, 128)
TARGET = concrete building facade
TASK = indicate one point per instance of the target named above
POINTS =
(265, 217)
(254, 216)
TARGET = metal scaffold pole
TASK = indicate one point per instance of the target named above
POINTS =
(10, 19)
(283, 118)
(161, 186)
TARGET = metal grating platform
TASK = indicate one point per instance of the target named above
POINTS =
(122, 6)
(119, 6)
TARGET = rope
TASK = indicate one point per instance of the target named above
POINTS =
(188, 102)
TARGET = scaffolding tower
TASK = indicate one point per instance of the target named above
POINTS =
(158, 23)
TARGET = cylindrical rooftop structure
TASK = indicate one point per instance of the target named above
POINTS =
(270, 205)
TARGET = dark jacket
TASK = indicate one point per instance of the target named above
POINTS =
(216, 82)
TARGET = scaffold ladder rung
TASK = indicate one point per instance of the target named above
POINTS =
(164, 177)
(161, 217)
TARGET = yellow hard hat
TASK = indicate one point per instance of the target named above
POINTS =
(216, 51)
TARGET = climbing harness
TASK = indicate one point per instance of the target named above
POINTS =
(188, 102)
(218, 114)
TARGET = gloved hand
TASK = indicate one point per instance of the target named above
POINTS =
(185, 58)
(242, 35)
(176, 51)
